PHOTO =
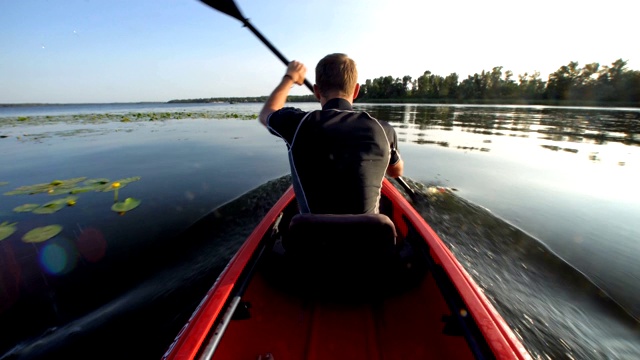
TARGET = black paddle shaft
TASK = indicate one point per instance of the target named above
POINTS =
(272, 48)
(230, 8)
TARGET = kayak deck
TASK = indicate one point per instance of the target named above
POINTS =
(404, 326)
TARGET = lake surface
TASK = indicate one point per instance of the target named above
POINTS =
(566, 177)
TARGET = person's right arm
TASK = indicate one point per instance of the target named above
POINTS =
(396, 165)
(296, 72)
(396, 169)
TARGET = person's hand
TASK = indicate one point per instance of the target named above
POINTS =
(297, 71)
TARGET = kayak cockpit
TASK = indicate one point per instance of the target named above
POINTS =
(302, 287)
(342, 287)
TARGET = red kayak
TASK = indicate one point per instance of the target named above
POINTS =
(350, 287)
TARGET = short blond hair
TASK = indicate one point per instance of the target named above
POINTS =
(336, 72)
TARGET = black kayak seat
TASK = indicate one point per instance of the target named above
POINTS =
(340, 242)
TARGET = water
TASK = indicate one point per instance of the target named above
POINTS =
(564, 176)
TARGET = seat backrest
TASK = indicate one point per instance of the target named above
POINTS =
(339, 257)
(351, 238)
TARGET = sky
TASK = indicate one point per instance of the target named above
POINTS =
(103, 51)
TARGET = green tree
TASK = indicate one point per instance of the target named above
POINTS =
(562, 81)
(407, 84)
(531, 87)
(611, 84)
(474, 87)
(614, 83)
(449, 88)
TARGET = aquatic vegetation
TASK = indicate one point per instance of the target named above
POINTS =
(56, 187)
(100, 181)
(26, 208)
(82, 189)
(116, 185)
(239, 116)
(119, 184)
(70, 186)
(96, 183)
(7, 230)
(55, 205)
(132, 117)
(2, 183)
(41, 234)
(127, 205)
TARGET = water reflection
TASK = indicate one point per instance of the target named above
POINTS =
(421, 123)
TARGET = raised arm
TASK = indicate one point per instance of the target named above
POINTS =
(296, 72)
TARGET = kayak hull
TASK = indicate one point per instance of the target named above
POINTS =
(427, 308)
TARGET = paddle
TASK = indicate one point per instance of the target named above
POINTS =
(230, 8)
(407, 188)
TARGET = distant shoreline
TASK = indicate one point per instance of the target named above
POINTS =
(310, 98)
(77, 104)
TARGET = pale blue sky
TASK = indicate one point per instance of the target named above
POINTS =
(79, 51)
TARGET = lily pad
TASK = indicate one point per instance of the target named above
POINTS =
(29, 190)
(55, 187)
(91, 185)
(41, 234)
(72, 186)
(7, 229)
(48, 208)
(26, 208)
(119, 184)
(129, 180)
(112, 186)
(55, 205)
(99, 181)
(83, 189)
(127, 205)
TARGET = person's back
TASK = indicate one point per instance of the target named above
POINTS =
(338, 156)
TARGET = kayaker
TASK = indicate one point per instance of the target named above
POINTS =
(338, 156)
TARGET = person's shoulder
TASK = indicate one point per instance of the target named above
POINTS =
(289, 110)
(285, 117)
(364, 114)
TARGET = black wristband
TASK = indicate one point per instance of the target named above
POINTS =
(289, 76)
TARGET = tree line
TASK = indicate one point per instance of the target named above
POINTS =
(592, 83)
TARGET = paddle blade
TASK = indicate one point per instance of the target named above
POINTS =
(226, 6)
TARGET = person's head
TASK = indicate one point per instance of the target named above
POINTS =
(336, 76)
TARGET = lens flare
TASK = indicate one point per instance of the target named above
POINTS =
(53, 258)
(91, 244)
(58, 257)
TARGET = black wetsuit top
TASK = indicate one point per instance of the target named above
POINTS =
(338, 156)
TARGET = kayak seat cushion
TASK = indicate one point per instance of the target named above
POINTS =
(342, 242)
